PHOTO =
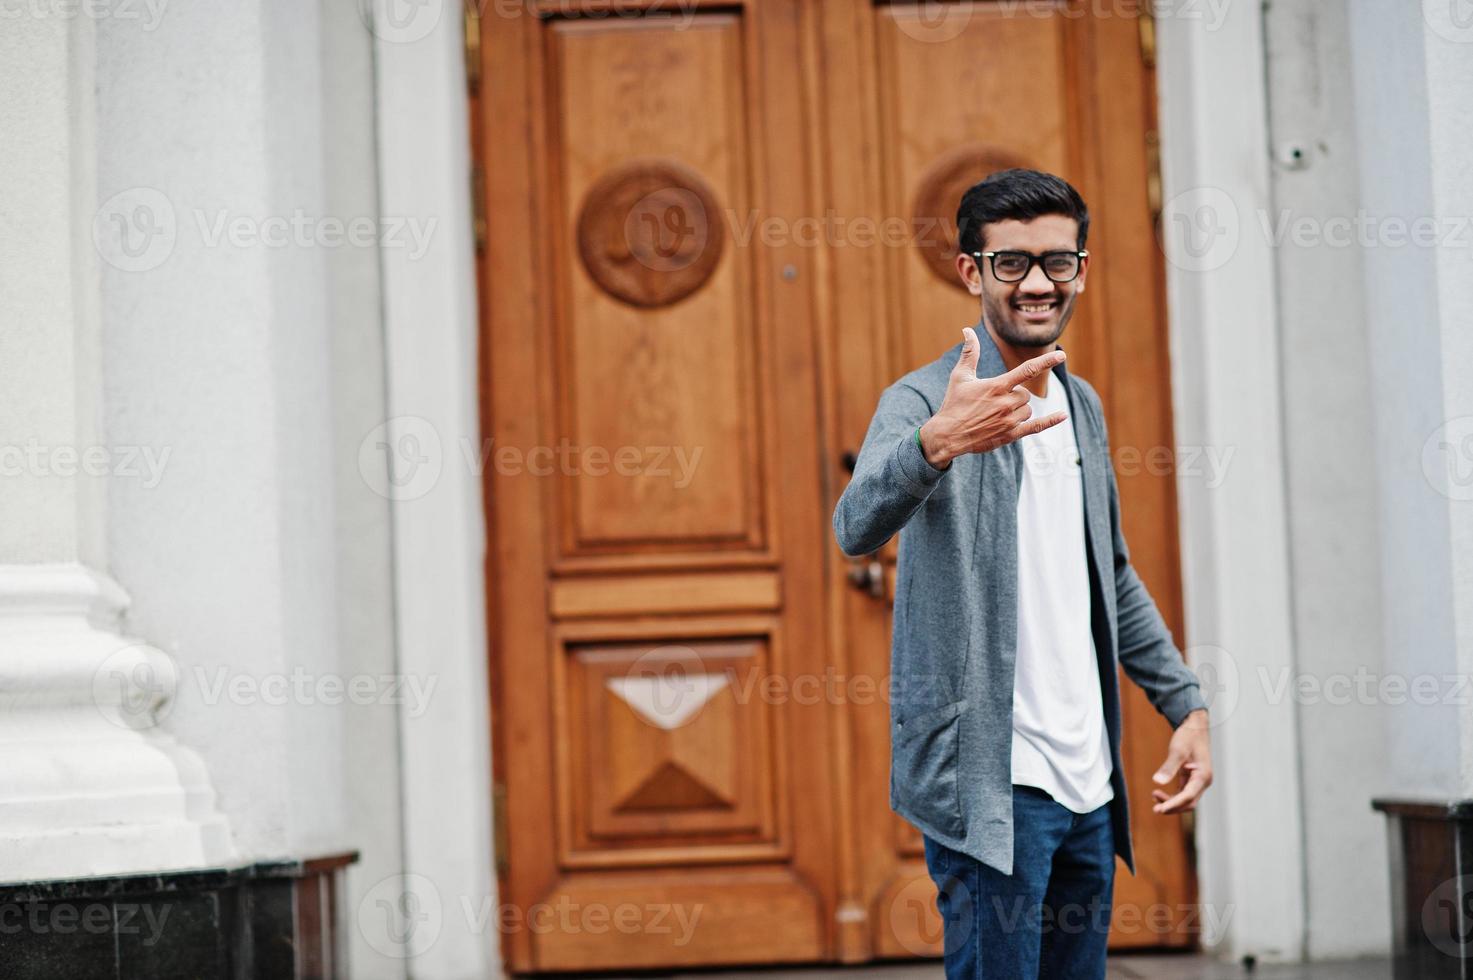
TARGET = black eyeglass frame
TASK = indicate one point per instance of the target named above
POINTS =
(1033, 260)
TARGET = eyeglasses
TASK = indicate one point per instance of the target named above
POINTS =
(1015, 266)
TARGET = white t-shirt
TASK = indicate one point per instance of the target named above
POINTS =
(1059, 740)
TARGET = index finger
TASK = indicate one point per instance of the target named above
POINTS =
(1030, 369)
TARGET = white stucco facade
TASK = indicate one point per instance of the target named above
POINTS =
(1312, 331)
(259, 534)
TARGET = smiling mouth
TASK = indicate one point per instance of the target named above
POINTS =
(1036, 309)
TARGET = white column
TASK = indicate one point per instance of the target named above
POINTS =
(1413, 82)
(1449, 59)
(1227, 399)
(1330, 474)
(88, 784)
(439, 534)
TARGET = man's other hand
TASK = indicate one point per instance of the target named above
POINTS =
(1189, 760)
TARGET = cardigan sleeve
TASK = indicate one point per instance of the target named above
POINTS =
(892, 478)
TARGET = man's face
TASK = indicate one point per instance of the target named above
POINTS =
(1033, 311)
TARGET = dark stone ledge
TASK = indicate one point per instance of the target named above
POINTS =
(268, 919)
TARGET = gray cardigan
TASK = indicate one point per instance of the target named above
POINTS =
(954, 646)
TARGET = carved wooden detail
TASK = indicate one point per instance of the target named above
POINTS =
(939, 192)
(649, 232)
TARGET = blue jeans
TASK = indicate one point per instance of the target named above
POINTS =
(1050, 918)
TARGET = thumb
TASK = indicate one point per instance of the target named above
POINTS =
(1175, 756)
(970, 351)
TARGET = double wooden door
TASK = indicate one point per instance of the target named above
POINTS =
(714, 231)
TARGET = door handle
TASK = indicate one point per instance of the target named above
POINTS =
(868, 575)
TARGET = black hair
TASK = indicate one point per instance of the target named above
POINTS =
(1017, 194)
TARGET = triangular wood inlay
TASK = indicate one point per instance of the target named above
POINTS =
(671, 787)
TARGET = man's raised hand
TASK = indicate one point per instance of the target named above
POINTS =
(980, 414)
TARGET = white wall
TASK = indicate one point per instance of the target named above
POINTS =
(48, 318)
(1400, 293)
(1221, 289)
(1330, 473)
(1349, 355)
(220, 353)
(439, 529)
(78, 747)
(266, 551)
(361, 516)
(1449, 81)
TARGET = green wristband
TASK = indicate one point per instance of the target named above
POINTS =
(918, 440)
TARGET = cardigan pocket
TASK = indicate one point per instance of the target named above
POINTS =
(924, 756)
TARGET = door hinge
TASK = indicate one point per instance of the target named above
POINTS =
(1147, 24)
(471, 25)
(478, 205)
(501, 838)
(1153, 173)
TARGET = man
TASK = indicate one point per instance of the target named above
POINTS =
(1014, 603)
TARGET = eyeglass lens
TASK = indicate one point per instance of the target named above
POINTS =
(1012, 266)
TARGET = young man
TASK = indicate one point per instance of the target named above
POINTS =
(1015, 601)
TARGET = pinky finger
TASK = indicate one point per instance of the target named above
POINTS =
(1035, 426)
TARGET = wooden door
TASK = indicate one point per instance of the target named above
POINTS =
(1060, 87)
(683, 329)
(656, 566)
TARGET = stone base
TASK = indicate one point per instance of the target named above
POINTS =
(1431, 845)
(90, 783)
(272, 920)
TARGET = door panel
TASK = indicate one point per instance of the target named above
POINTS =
(651, 143)
(688, 679)
(653, 566)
